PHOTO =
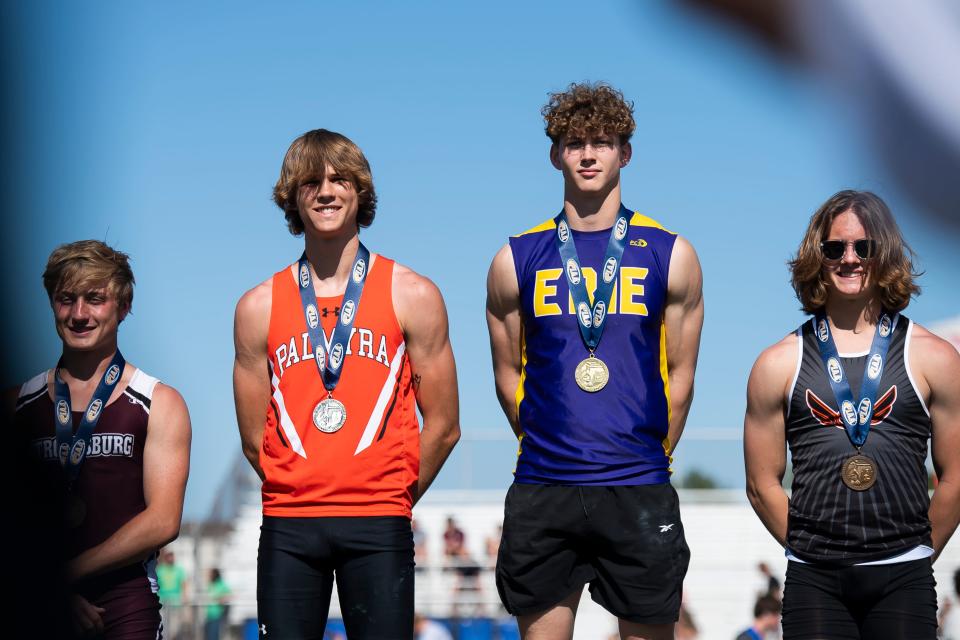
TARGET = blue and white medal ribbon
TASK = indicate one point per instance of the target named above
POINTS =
(859, 472)
(330, 414)
(592, 374)
(72, 447)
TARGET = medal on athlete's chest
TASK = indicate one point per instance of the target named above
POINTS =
(858, 472)
(329, 415)
(592, 373)
(72, 447)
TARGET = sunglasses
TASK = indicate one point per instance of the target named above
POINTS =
(865, 248)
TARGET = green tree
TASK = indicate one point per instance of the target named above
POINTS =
(696, 479)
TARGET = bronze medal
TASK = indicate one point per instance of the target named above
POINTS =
(76, 511)
(329, 415)
(592, 374)
(859, 472)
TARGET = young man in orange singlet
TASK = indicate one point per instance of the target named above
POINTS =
(334, 353)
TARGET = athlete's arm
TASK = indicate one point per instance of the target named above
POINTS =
(423, 320)
(251, 381)
(682, 321)
(503, 323)
(764, 435)
(166, 461)
(937, 364)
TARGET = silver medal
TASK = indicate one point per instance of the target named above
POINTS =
(329, 415)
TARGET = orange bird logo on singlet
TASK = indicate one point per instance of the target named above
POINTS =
(830, 417)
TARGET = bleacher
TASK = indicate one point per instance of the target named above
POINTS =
(726, 541)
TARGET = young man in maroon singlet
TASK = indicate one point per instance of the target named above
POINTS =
(856, 392)
(334, 353)
(125, 499)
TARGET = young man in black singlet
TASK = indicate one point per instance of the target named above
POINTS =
(126, 477)
(856, 392)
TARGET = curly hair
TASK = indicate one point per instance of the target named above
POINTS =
(892, 268)
(307, 160)
(588, 109)
(89, 264)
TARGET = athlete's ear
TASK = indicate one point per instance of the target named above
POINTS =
(124, 310)
(555, 155)
(626, 152)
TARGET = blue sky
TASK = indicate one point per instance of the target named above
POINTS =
(161, 127)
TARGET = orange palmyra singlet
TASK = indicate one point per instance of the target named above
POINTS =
(369, 466)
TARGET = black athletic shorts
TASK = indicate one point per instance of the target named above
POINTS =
(625, 541)
(371, 559)
(876, 602)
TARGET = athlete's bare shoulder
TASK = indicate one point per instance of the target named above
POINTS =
(781, 354)
(251, 322)
(254, 305)
(257, 299)
(931, 355)
(415, 296)
(774, 368)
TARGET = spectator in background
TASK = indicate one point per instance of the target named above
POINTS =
(466, 589)
(949, 621)
(218, 595)
(493, 546)
(453, 538)
(770, 585)
(420, 556)
(766, 619)
(426, 629)
(172, 585)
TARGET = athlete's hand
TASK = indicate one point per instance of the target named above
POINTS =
(87, 619)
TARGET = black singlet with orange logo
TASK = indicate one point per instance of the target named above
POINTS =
(829, 522)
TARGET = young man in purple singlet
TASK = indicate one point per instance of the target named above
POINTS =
(594, 319)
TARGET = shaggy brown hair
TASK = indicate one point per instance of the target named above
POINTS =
(892, 267)
(588, 109)
(86, 265)
(307, 160)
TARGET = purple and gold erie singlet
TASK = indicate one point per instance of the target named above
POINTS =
(618, 435)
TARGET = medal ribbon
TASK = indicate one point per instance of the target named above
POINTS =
(72, 447)
(855, 417)
(591, 318)
(330, 365)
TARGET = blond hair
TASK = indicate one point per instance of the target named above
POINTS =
(86, 265)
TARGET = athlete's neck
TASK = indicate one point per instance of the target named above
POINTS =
(332, 260)
(591, 211)
(86, 366)
(853, 317)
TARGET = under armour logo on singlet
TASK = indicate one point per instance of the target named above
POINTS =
(263, 629)
(327, 312)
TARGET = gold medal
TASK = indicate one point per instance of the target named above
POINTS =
(592, 374)
(859, 472)
(329, 415)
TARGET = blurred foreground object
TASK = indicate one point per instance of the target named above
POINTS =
(896, 62)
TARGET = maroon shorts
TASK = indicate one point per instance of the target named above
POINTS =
(131, 613)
